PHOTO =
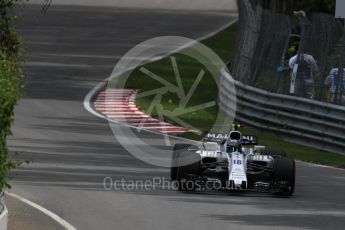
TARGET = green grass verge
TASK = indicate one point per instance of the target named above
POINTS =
(206, 91)
(296, 151)
(222, 44)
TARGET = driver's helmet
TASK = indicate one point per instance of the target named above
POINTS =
(234, 142)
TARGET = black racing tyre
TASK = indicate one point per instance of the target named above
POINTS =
(274, 152)
(284, 175)
(178, 148)
(189, 167)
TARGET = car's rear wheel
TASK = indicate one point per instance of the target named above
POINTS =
(275, 152)
(284, 173)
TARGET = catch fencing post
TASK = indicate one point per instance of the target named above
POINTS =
(340, 13)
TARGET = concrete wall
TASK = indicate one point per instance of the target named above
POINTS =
(3, 219)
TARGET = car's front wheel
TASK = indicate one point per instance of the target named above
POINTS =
(178, 149)
(188, 171)
(284, 174)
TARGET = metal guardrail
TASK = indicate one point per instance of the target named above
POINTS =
(299, 120)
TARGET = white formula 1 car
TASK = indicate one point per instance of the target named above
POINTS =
(233, 162)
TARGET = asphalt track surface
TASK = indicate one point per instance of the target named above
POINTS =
(71, 50)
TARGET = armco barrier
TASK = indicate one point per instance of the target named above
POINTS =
(3, 213)
(299, 120)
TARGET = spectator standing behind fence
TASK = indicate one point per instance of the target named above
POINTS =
(331, 82)
(307, 67)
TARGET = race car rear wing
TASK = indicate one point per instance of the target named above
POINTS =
(219, 138)
(249, 140)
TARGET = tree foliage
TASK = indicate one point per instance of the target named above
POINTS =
(10, 83)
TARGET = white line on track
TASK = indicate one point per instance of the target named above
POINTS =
(52, 215)
(318, 165)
